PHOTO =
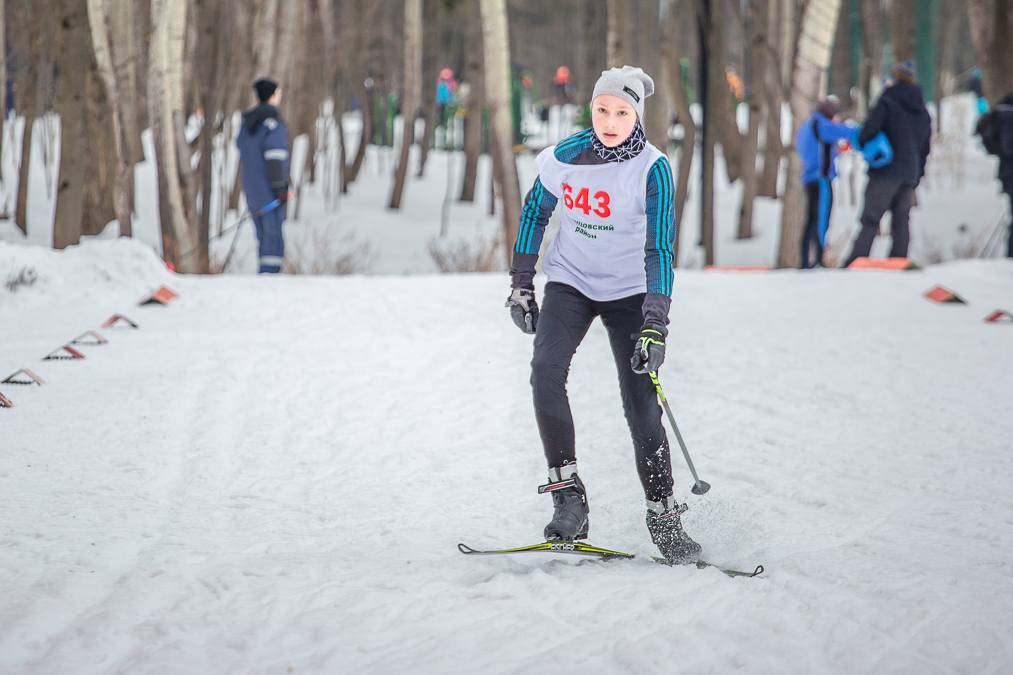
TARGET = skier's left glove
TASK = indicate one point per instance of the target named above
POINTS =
(523, 309)
(649, 352)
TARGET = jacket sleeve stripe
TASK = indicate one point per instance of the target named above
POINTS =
(276, 154)
(661, 227)
(538, 206)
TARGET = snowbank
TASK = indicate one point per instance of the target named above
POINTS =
(272, 475)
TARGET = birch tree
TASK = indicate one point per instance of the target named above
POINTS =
(119, 91)
(412, 92)
(496, 46)
(819, 22)
(172, 154)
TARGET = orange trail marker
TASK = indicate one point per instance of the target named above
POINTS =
(64, 352)
(163, 296)
(896, 264)
(24, 376)
(5, 402)
(940, 294)
(119, 321)
(90, 338)
(999, 316)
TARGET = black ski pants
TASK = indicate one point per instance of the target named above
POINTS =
(812, 223)
(565, 316)
(882, 195)
(1009, 243)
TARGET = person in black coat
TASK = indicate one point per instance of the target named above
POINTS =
(902, 116)
(996, 130)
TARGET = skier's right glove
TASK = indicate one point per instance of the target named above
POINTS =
(523, 309)
(649, 352)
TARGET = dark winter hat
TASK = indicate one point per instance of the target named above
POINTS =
(904, 72)
(265, 89)
(631, 84)
(829, 107)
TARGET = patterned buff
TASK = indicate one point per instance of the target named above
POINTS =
(628, 149)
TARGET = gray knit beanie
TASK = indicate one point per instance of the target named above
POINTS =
(631, 84)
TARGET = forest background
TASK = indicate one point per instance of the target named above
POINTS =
(110, 69)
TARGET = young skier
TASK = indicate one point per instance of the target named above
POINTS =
(611, 258)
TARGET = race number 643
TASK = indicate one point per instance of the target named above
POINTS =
(583, 201)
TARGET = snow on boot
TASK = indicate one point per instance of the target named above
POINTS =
(569, 499)
(667, 534)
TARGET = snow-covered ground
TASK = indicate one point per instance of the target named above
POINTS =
(272, 475)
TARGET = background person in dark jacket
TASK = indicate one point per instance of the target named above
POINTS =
(816, 144)
(900, 113)
(996, 130)
(263, 156)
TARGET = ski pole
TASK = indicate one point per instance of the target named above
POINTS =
(699, 487)
(270, 207)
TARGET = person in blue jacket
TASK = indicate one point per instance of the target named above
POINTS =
(816, 144)
(263, 157)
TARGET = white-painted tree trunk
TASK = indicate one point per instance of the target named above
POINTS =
(497, 96)
(165, 111)
(819, 23)
(99, 20)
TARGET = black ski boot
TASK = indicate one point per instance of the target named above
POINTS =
(569, 499)
(667, 534)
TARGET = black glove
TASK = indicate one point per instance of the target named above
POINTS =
(281, 196)
(649, 352)
(523, 309)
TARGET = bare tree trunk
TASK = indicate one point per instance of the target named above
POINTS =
(757, 113)
(355, 45)
(21, 206)
(811, 63)
(589, 52)
(774, 150)
(73, 57)
(121, 116)
(902, 30)
(869, 71)
(210, 46)
(775, 88)
(412, 91)
(671, 73)
(497, 88)
(713, 120)
(237, 189)
(725, 127)
(656, 107)
(430, 51)
(98, 206)
(139, 58)
(620, 33)
(3, 69)
(474, 77)
(165, 110)
(265, 39)
(992, 32)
